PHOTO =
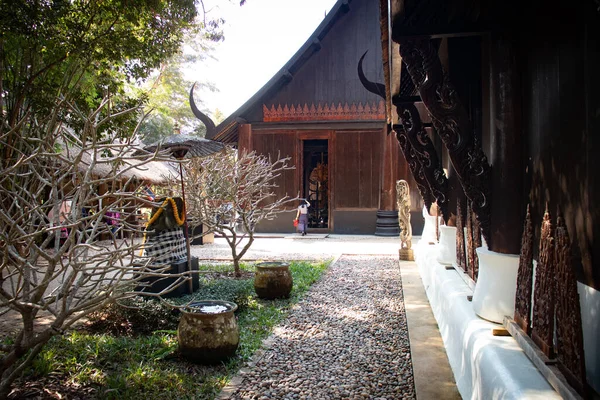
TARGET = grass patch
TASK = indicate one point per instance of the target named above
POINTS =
(146, 365)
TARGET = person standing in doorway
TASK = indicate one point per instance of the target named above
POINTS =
(302, 216)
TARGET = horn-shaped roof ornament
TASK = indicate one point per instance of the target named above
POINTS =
(210, 125)
(373, 87)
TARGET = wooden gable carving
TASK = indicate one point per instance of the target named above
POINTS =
(370, 112)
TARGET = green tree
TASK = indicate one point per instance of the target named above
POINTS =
(65, 72)
(167, 88)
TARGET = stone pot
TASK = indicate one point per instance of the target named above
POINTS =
(273, 280)
(208, 331)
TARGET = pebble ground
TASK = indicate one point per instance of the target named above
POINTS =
(346, 339)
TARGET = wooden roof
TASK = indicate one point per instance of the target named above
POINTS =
(227, 131)
(127, 166)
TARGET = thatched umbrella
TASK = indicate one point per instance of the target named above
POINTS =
(186, 146)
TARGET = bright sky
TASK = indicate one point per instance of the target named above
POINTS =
(260, 37)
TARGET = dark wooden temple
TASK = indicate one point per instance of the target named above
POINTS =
(316, 111)
(513, 93)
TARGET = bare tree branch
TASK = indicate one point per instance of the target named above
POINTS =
(234, 194)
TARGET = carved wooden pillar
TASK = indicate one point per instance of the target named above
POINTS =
(429, 165)
(525, 278)
(506, 152)
(461, 259)
(569, 334)
(542, 331)
(451, 122)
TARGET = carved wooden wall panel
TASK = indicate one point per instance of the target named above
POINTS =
(476, 231)
(473, 242)
(525, 277)
(569, 334)
(542, 330)
(451, 122)
(460, 238)
(429, 166)
(469, 240)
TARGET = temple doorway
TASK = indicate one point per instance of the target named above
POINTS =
(316, 182)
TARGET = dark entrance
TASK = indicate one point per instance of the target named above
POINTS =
(316, 182)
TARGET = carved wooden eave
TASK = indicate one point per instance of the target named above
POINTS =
(414, 165)
(525, 278)
(452, 124)
(326, 112)
(424, 151)
(542, 331)
(423, 19)
(569, 334)
(416, 145)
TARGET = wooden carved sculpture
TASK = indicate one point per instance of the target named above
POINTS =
(430, 166)
(542, 331)
(460, 238)
(451, 122)
(525, 278)
(403, 197)
(569, 334)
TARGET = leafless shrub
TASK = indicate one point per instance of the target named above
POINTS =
(233, 194)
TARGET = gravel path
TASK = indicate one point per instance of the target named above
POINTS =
(347, 339)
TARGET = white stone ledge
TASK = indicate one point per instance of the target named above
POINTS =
(484, 366)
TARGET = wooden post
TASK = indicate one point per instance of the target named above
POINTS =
(506, 151)
(387, 215)
(245, 138)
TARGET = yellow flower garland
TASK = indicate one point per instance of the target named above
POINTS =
(179, 219)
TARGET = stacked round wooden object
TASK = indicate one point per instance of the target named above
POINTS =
(273, 280)
(208, 332)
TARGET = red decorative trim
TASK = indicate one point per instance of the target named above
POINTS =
(353, 112)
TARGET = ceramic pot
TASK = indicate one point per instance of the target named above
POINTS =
(208, 332)
(494, 295)
(447, 245)
(429, 231)
(273, 280)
